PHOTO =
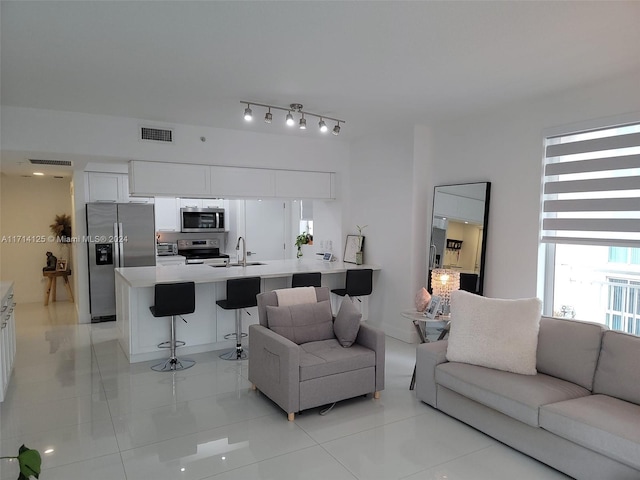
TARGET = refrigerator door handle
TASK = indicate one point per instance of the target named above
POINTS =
(116, 245)
(120, 243)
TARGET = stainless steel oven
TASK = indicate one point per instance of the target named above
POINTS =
(206, 251)
(193, 220)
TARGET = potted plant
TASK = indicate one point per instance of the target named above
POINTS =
(29, 461)
(61, 228)
(303, 239)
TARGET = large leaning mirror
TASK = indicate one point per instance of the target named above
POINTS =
(459, 232)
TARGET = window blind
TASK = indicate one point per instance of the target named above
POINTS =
(591, 188)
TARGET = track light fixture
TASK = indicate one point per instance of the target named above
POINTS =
(289, 120)
(248, 114)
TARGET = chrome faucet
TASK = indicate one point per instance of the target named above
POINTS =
(244, 251)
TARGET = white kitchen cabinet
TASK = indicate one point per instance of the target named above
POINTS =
(298, 184)
(158, 178)
(190, 202)
(170, 260)
(106, 187)
(214, 203)
(242, 182)
(7, 336)
(201, 203)
(167, 212)
(111, 187)
(200, 184)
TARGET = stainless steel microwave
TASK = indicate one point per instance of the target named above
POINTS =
(202, 219)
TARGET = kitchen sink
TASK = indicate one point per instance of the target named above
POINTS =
(249, 264)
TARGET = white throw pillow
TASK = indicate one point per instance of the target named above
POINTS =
(494, 333)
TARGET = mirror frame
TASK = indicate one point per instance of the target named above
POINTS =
(485, 229)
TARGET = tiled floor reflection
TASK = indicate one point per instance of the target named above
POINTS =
(75, 397)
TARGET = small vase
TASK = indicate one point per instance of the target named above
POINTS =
(299, 254)
(359, 258)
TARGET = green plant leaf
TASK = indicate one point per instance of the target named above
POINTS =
(30, 463)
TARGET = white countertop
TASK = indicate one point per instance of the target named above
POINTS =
(149, 276)
(4, 289)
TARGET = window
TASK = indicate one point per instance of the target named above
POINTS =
(590, 226)
(623, 307)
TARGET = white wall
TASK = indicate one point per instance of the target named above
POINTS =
(79, 134)
(28, 205)
(380, 195)
(505, 147)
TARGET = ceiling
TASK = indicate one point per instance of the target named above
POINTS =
(377, 65)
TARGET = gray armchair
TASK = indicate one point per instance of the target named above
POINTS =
(316, 372)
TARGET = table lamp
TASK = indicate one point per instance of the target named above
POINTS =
(443, 282)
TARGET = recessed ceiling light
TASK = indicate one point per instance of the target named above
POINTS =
(38, 173)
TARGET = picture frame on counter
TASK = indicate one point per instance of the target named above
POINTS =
(353, 245)
(433, 307)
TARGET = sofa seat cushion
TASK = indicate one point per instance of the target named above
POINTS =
(328, 357)
(515, 395)
(601, 423)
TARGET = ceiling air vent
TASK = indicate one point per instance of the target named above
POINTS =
(156, 135)
(55, 163)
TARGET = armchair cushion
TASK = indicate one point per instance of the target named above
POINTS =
(327, 357)
(302, 323)
(347, 322)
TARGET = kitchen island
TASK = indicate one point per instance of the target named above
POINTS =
(140, 332)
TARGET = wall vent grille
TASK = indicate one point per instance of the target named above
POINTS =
(156, 135)
(56, 163)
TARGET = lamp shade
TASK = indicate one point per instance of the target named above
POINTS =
(443, 282)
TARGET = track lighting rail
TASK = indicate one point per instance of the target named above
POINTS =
(293, 108)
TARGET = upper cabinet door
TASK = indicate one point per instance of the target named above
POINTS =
(242, 182)
(157, 178)
(296, 184)
(105, 187)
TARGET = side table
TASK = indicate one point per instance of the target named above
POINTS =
(420, 322)
(53, 275)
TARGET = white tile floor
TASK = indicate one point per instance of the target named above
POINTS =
(74, 395)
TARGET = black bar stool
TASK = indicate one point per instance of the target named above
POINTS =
(311, 279)
(241, 293)
(359, 283)
(173, 299)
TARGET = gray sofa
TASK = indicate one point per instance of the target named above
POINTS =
(580, 414)
(313, 373)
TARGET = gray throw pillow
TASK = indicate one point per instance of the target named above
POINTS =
(302, 323)
(347, 323)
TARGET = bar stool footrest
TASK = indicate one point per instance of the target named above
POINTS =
(167, 344)
(173, 365)
(233, 354)
(233, 335)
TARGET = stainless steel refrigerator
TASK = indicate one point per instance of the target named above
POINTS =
(120, 235)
